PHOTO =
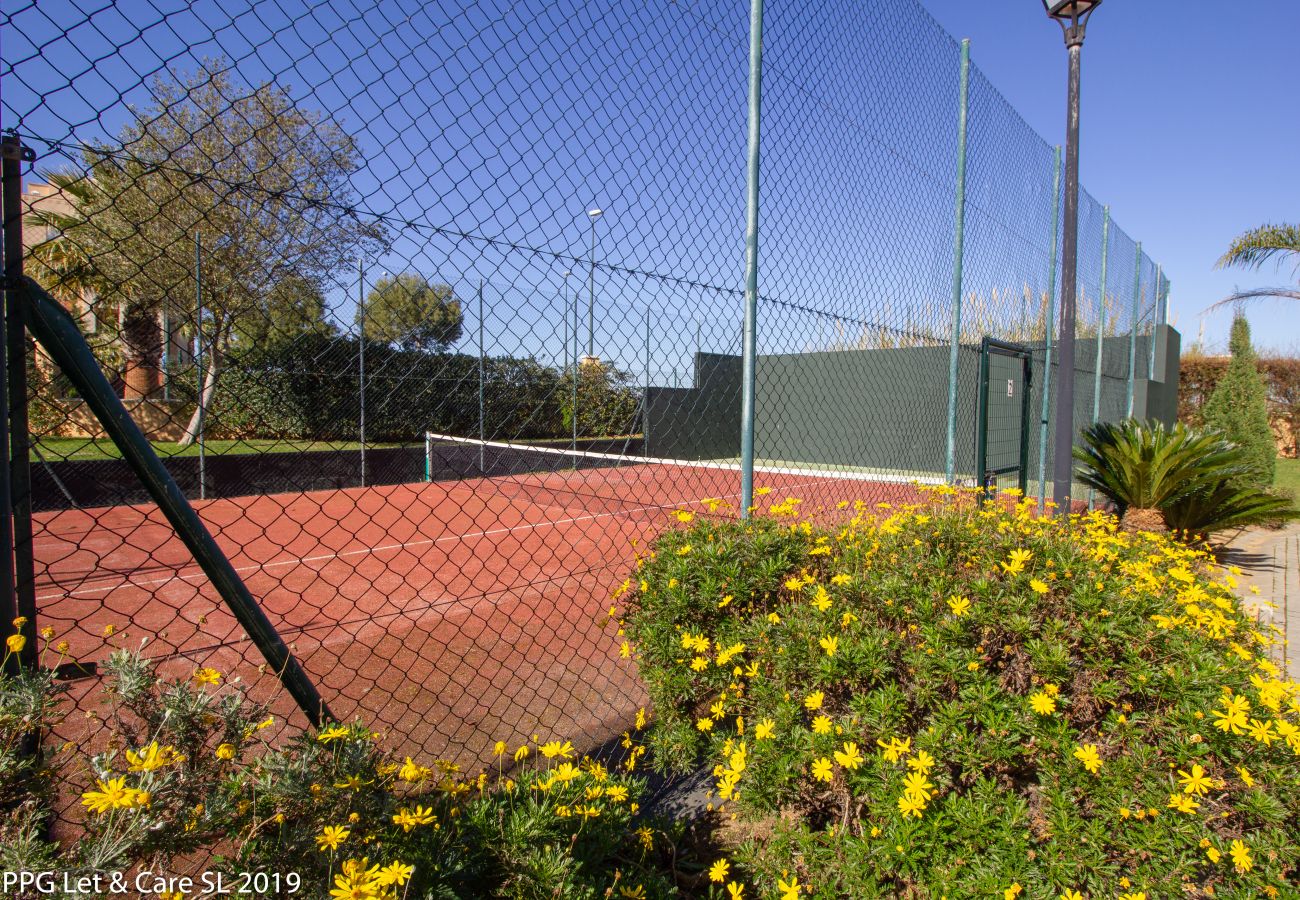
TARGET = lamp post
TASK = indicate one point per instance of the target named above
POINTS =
(1072, 16)
(593, 215)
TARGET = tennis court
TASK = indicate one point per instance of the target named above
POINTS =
(450, 613)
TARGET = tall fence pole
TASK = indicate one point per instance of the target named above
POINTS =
(577, 368)
(361, 364)
(1133, 330)
(18, 592)
(1155, 313)
(1101, 327)
(1063, 455)
(749, 342)
(482, 421)
(959, 236)
(198, 362)
(645, 402)
(1044, 418)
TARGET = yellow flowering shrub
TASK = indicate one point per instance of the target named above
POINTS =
(962, 699)
(189, 771)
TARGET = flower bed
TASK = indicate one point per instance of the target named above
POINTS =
(960, 700)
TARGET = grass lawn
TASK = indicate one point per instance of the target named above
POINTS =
(1287, 476)
(84, 448)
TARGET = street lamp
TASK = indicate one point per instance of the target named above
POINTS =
(1072, 15)
(592, 214)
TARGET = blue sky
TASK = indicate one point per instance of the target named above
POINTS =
(1189, 129)
(492, 126)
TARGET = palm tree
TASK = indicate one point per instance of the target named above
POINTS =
(1256, 247)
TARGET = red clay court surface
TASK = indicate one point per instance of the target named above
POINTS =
(447, 615)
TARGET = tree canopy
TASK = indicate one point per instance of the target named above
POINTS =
(259, 182)
(411, 313)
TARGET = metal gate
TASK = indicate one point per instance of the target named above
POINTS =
(1002, 430)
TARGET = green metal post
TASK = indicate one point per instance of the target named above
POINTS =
(1133, 330)
(959, 235)
(361, 364)
(482, 415)
(1047, 331)
(645, 398)
(57, 333)
(749, 346)
(1101, 327)
(198, 361)
(1151, 346)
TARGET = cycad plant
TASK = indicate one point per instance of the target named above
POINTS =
(1222, 505)
(1143, 468)
(1179, 478)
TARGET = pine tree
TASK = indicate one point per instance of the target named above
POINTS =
(1238, 407)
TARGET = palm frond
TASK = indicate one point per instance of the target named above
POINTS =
(1256, 294)
(1259, 245)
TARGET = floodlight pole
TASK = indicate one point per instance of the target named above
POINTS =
(749, 343)
(1073, 17)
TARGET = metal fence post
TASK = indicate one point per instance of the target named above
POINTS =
(959, 234)
(645, 401)
(749, 344)
(1155, 314)
(58, 335)
(1133, 329)
(361, 364)
(482, 426)
(198, 362)
(18, 592)
(1101, 327)
(1044, 419)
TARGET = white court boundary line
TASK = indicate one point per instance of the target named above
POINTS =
(430, 437)
(819, 474)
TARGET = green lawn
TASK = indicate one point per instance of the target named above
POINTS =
(1288, 476)
(84, 448)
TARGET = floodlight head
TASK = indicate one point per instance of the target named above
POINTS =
(1072, 15)
(595, 213)
(1067, 10)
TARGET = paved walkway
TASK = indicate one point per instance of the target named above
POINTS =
(1270, 561)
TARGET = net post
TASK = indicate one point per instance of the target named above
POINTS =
(1044, 418)
(428, 457)
(959, 233)
(1101, 325)
(749, 345)
(1133, 329)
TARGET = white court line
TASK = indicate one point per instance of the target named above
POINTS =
(326, 557)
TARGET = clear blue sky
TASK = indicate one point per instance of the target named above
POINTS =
(1189, 129)
(508, 120)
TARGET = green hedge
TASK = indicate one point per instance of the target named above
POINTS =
(310, 389)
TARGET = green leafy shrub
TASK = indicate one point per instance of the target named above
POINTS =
(954, 699)
(189, 775)
(1197, 481)
(1238, 408)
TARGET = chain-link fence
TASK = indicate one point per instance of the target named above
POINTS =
(434, 313)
